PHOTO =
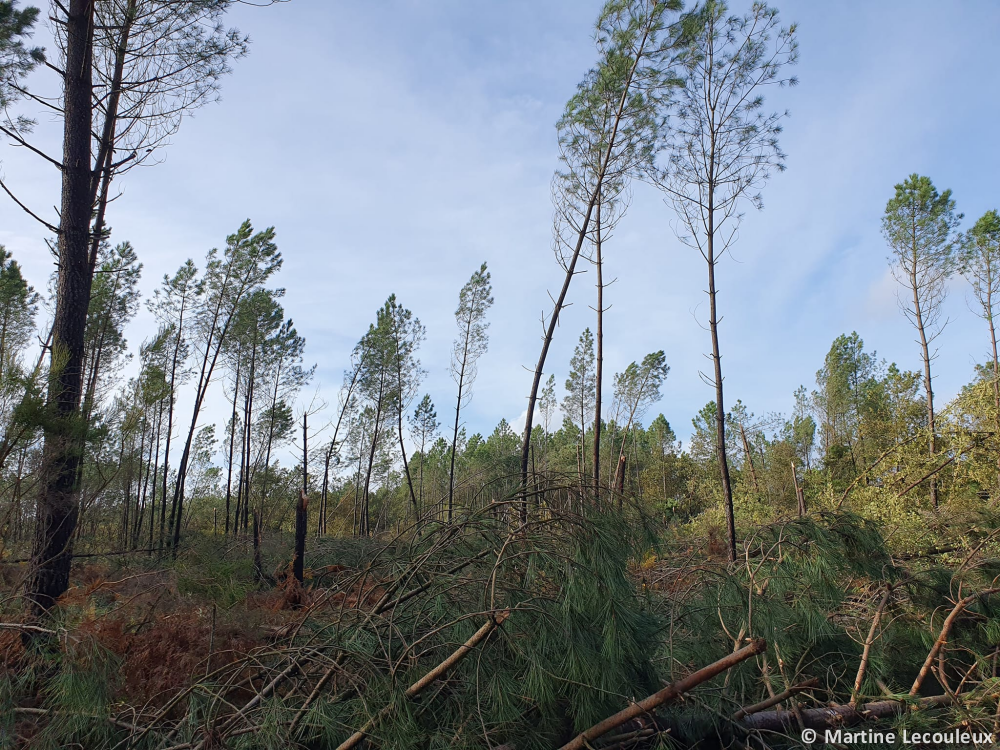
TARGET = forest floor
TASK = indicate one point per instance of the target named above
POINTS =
(567, 621)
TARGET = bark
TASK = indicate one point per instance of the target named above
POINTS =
(58, 502)
(103, 165)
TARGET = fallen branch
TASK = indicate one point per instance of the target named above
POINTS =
(930, 473)
(417, 687)
(868, 645)
(943, 637)
(776, 699)
(667, 694)
(27, 628)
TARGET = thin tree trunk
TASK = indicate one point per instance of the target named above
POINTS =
(996, 368)
(298, 563)
(720, 413)
(746, 450)
(399, 412)
(208, 363)
(599, 371)
(570, 271)
(248, 437)
(365, 519)
(458, 411)
(799, 494)
(925, 351)
(321, 523)
(232, 442)
(170, 416)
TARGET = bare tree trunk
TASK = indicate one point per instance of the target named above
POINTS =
(925, 352)
(458, 412)
(599, 371)
(996, 370)
(58, 502)
(298, 563)
(746, 450)
(247, 437)
(321, 522)
(170, 421)
(258, 566)
(232, 443)
(620, 478)
(799, 493)
(720, 413)
(365, 519)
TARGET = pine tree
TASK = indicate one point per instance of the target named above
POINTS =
(918, 225)
(722, 149)
(474, 300)
(578, 403)
(425, 426)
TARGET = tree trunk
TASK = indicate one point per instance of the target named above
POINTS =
(570, 271)
(996, 370)
(458, 411)
(170, 418)
(232, 443)
(298, 563)
(925, 352)
(720, 413)
(365, 519)
(58, 502)
(599, 370)
(746, 450)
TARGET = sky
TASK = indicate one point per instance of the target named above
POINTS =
(395, 146)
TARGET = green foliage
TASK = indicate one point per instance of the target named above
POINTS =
(16, 58)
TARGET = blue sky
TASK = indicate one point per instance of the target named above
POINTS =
(395, 146)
